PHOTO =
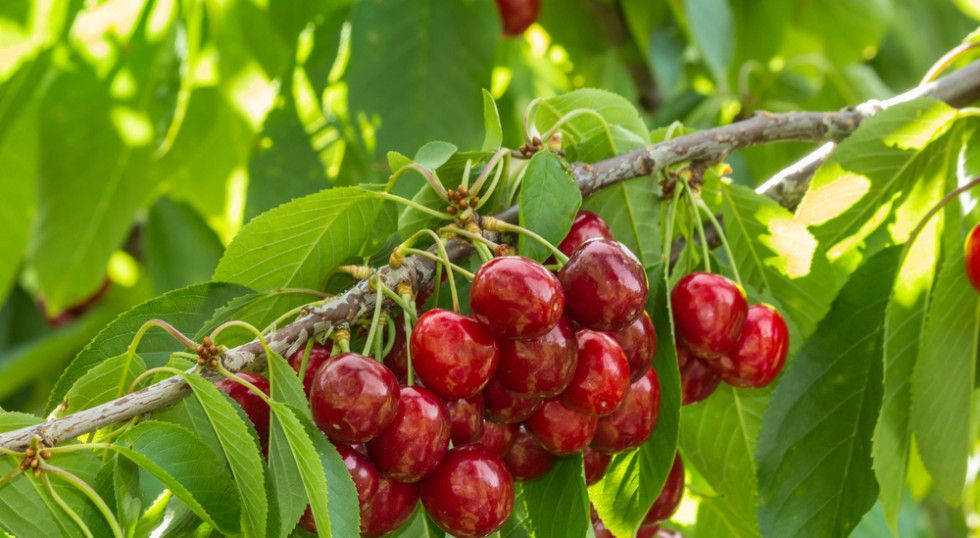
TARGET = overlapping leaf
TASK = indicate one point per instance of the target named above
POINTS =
(557, 504)
(548, 203)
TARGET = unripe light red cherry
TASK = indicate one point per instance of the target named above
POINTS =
(527, 459)
(539, 367)
(453, 355)
(596, 464)
(605, 286)
(319, 354)
(466, 419)
(670, 496)
(602, 375)
(517, 15)
(639, 343)
(392, 505)
(254, 406)
(709, 311)
(502, 405)
(760, 352)
(559, 429)
(411, 447)
(630, 425)
(971, 257)
(698, 381)
(499, 437)
(516, 297)
(353, 398)
(585, 226)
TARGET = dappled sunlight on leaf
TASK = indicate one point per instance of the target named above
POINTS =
(794, 244)
(831, 199)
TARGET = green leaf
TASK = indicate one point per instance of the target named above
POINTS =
(557, 504)
(250, 308)
(814, 448)
(517, 525)
(494, 136)
(411, 220)
(185, 309)
(420, 525)
(943, 379)
(343, 505)
(717, 520)
(104, 382)
(180, 248)
(632, 211)
(549, 200)
(286, 386)
(434, 154)
(118, 485)
(713, 28)
(19, 155)
(614, 109)
(860, 26)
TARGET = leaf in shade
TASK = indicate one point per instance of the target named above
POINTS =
(20, 157)
(713, 29)
(494, 136)
(717, 520)
(434, 154)
(180, 248)
(548, 203)
(557, 504)
(104, 382)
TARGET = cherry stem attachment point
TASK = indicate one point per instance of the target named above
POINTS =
(404, 201)
(485, 173)
(528, 113)
(497, 225)
(574, 114)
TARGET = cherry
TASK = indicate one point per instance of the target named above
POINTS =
(413, 445)
(596, 465)
(364, 475)
(453, 355)
(670, 496)
(585, 226)
(254, 406)
(559, 429)
(516, 297)
(397, 359)
(353, 398)
(631, 424)
(526, 459)
(639, 343)
(392, 505)
(471, 494)
(499, 437)
(319, 354)
(517, 15)
(605, 286)
(971, 257)
(760, 352)
(539, 367)
(602, 375)
(709, 311)
(502, 405)
(466, 419)
(698, 381)
(684, 357)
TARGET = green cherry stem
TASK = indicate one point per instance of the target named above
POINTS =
(931, 213)
(306, 358)
(151, 371)
(429, 176)
(400, 301)
(465, 180)
(484, 252)
(474, 238)
(697, 224)
(497, 225)
(574, 114)
(485, 173)
(76, 519)
(90, 493)
(528, 112)
(724, 239)
(410, 373)
(10, 476)
(390, 340)
(669, 231)
(376, 318)
(431, 256)
(405, 201)
(493, 186)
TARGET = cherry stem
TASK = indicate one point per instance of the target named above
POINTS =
(179, 336)
(723, 237)
(437, 284)
(405, 201)
(452, 228)
(238, 323)
(90, 493)
(932, 212)
(390, 340)
(429, 175)
(697, 223)
(493, 224)
(528, 112)
(228, 375)
(947, 59)
(669, 230)
(10, 476)
(431, 256)
(67, 509)
(406, 305)
(485, 173)
(379, 298)
(344, 346)
(574, 114)
(465, 180)
(409, 371)
(306, 358)
(493, 186)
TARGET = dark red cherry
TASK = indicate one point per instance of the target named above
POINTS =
(466, 419)
(517, 15)
(684, 357)
(760, 352)
(559, 429)
(413, 445)
(453, 355)
(392, 505)
(498, 437)
(516, 297)
(630, 425)
(585, 226)
(971, 256)
(639, 343)
(364, 475)
(596, 465)
(602, 375)
(709, 311)
(648, 531)
(397, 359)
(698, 381)
(605, 286)
(539, 367)
(670, 496)
(527, 459)
(254, 406)
(502, 405)
(471, 494)
(353, 398)
(319, 354)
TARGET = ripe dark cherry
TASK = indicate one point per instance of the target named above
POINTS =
(585, 226)
(499, 437)
(319, 354)
(559, 429)
(670, 496)
(698, 381)
(502, 405)
(353, 398)
(516, 297)
(971, 251)
(254, 406)
(471, 494)
(453, 355)
(466, 419)
(527, 459)
(517, 15)
(413, 445)
(602, 375)
(605, 286)
(760, 352)
(364, 475)
(630, 425)
(397, 359)
(639, 343)
(596, 465)
(539, 367)
(709, 311)
(392, 505)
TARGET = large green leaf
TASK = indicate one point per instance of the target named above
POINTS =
(181, 249)
(712, 28)
(814, 448)
(716, 519)
(548, 203)
(557, 504)
(614, 110)
(19, 157)
(341, 492)
(632, 211)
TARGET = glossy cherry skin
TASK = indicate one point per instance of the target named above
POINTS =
(971, 257)
(319, 354)
(605, 286)
(417, 439)
(453, 355)
(596, 465)
(517, 15)
(471, 494)
(539, 367)
(709, 311)
(760, 352)
(516, 297)
(698, 381)
(527, 459)
(499, 437)
(502, 405)
(466, 419)
(670, 496)
(630, 425)
(397, 359)
(639, 343)
(585, 226)
(559, 429)
(602, 375)
(684, 357)
(353, 398)
(254, 406)
(392, 505)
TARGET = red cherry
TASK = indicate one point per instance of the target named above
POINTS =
(602, 375)
(585, 226)
(498, 437)
(971, 257)
(631, 424)
(466, 419)
(559, 429)
(601, 531)
(539, 367)
(517, 15)
(698, 381)
(319, 354)
(596, 465)
(648, 531)
(502, 405)
(639, 343)
(453, 355)
(526, 459)
(353, 398)
(605, 286)
(516, 297)
(392, 505)
(397, 359)
(760, 352)
(364, 475)
(471, 494)
(684, 357)
(670, 496)
(254, 406)
(709, 311)
(411, 447)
